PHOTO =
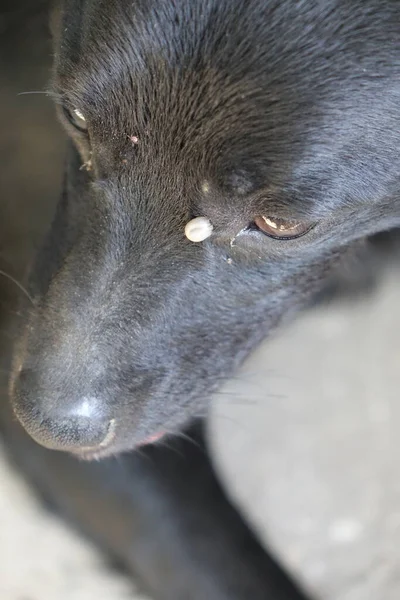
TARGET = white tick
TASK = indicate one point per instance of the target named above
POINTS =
(198, 229)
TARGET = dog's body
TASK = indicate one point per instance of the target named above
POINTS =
(229, 110)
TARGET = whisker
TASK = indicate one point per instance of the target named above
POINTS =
(143, 455)
(181, 435)
(18, 284)
(232, 394)
(220, 416)
(248, 400)
(33, 92)
(184, 436)
(49, 92)
(171, 447)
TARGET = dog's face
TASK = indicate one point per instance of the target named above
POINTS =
(276, 120)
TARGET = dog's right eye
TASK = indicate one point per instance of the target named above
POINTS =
(282, 229)
(77, 119)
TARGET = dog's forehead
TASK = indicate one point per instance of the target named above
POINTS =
(238, 88)
(189, 56)
(186, 77)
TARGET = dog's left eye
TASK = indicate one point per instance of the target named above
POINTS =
(77, 119)
(282, 229)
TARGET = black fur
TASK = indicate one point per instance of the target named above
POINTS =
(287, 109)
(218, 108)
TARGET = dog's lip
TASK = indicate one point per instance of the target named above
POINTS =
(151, 439)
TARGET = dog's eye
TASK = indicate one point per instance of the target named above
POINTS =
(282, 229)
(76, 118)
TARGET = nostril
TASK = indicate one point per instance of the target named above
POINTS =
(56, 422)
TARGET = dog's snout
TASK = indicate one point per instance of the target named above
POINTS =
(78, 425)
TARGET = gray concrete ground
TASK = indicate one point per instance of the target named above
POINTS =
(307, 441)
(314, 410)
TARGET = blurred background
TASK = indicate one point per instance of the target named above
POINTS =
(305, 438)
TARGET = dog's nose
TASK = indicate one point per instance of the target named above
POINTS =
(59, 423)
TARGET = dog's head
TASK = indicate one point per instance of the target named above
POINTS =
(277, 121)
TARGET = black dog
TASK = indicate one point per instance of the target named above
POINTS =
(277, 121)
